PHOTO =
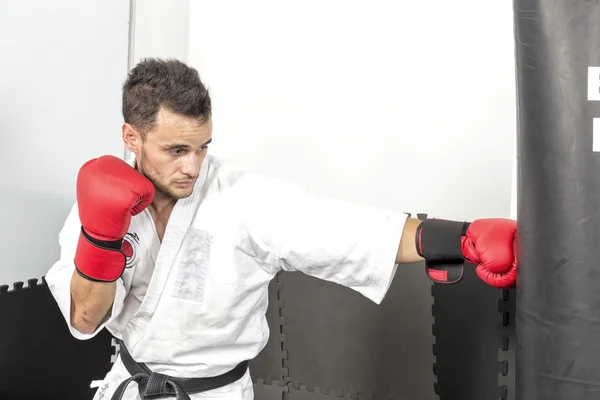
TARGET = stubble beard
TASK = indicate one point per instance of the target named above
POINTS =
(152, 175)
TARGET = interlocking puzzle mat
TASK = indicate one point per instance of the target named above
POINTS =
(39, 357)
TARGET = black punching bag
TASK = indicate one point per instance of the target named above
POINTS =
(557, 47)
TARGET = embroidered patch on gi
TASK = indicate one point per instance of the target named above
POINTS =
(129, 247)
(193, 265)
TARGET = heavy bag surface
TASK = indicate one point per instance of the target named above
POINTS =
(558, 292)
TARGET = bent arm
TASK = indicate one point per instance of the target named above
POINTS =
(86, 306)
(91, 303)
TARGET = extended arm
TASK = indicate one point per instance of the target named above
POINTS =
(407, 250)
(353, 245)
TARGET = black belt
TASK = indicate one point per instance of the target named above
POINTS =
(153, 385)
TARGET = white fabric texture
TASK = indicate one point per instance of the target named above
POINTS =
(195, 305)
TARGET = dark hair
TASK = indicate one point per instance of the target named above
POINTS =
(154, 83)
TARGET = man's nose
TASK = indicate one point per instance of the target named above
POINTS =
(191, 166)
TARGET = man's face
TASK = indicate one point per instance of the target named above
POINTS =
(171, 154)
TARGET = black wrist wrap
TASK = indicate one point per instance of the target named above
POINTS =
(105, 244)
(99, 260)
(438, 239)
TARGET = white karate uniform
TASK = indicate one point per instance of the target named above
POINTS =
(194, 306)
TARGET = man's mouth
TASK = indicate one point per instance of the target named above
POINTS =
(184, 183)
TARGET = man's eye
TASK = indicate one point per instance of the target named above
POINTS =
(177, 152)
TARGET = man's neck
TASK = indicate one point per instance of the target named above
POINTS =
(162, 204)
(160, 210)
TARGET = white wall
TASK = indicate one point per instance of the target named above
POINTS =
(63, 62)
(406, 105)
(160, 29)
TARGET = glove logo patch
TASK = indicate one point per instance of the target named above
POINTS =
(129, 248)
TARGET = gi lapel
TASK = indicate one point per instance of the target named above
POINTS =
(181, 218)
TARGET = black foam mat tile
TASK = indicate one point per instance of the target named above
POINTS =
(339, 340)
(273, 391)
(268, 365)
(507, 378)
(468, 332)
(315, 393)
(39, 359)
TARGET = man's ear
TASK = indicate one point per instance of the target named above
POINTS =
(131, 138)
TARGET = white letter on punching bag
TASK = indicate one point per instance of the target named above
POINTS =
(593, 83)
(594, 95)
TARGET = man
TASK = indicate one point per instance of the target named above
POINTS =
(173, 251)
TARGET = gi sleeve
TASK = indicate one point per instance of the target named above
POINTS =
(59, 276)
(349, 244)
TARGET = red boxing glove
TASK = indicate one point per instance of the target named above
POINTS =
(490, 244)
(109, 193)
